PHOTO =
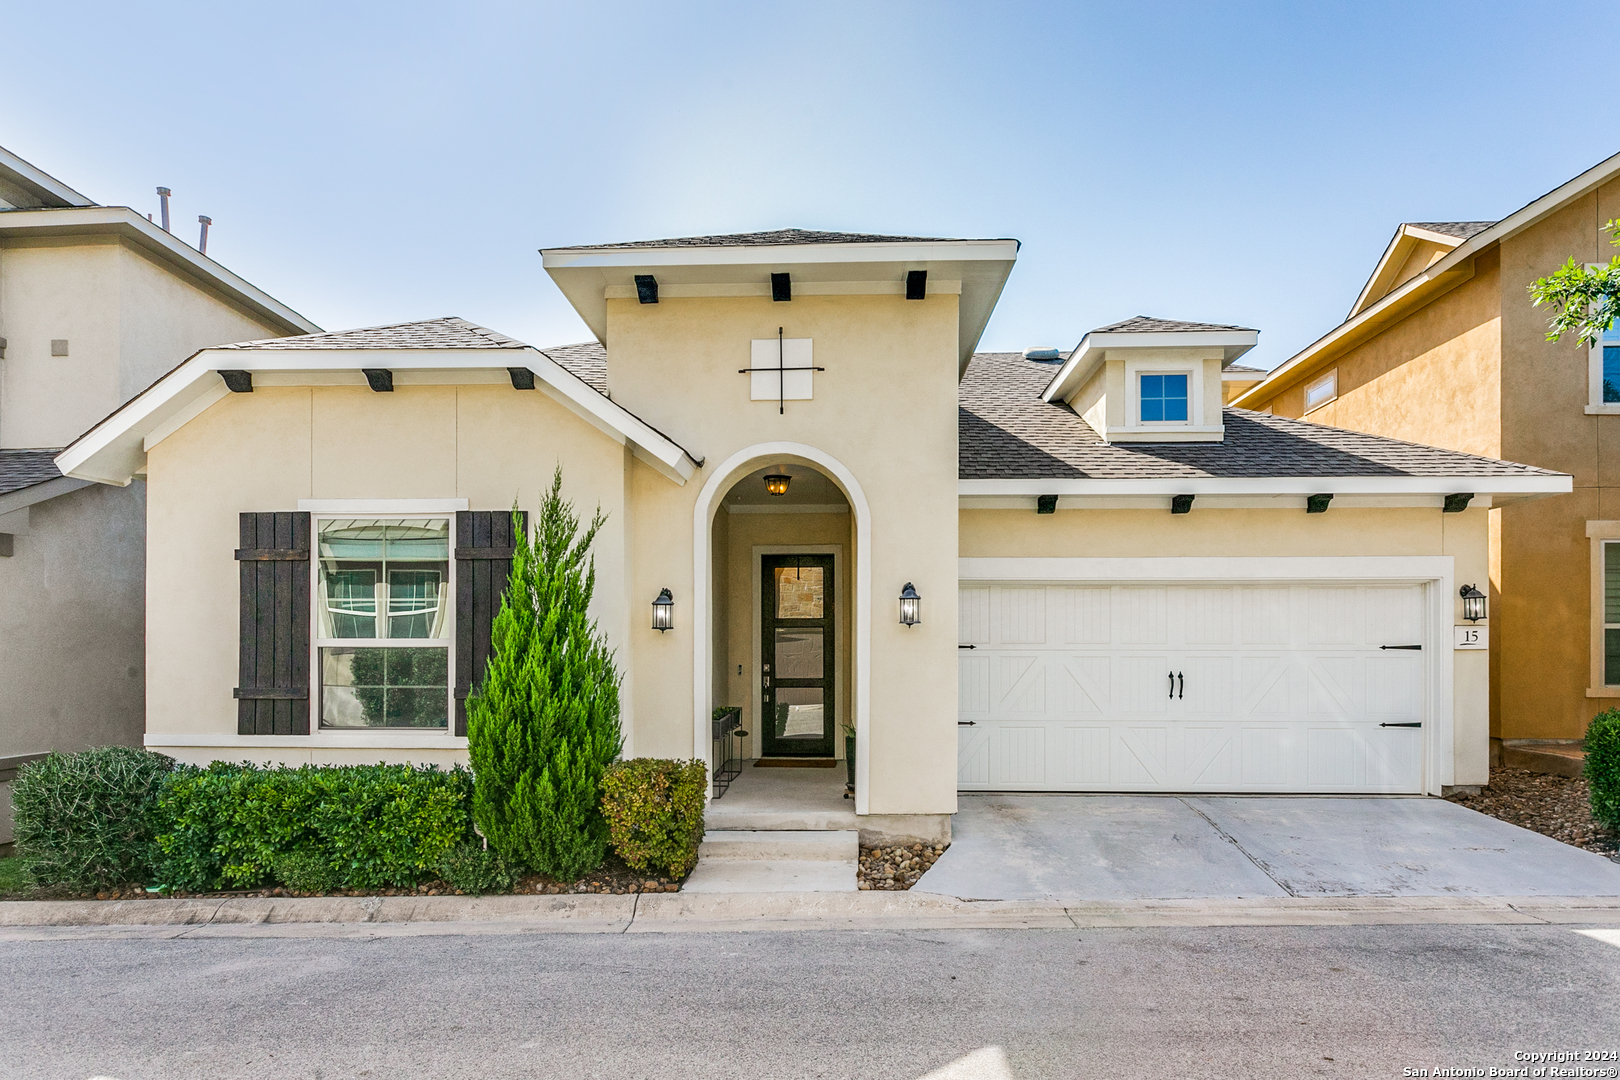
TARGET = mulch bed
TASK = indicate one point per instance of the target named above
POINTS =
(1555, 806)
(613, 876)
(895, 868)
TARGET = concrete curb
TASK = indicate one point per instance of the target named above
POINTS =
(391, 916)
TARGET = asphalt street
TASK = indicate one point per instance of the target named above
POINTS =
(1364, 1001)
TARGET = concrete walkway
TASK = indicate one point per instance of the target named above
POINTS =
(1130, 847)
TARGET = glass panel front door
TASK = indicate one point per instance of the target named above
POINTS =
(796, 677)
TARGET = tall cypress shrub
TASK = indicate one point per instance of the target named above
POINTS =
(544, 724)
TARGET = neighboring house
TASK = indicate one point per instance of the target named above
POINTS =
(96, 303)
(1122, 585)
(1444, 347)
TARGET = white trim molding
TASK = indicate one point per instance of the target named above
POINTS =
(731, 470)
(1502, 489)
(383, 506)
(331, 740)
(1434, 572)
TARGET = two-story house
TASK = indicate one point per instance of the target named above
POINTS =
(96, 302)
(1444, 347)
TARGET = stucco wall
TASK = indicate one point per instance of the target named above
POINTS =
(264, 451)
(885, 408)
(1347, 531)
(71, 628)
(126, 319)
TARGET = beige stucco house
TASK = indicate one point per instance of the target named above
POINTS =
(1121, 585)
(1442, 346)
(96, 302)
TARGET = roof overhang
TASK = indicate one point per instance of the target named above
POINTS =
(975, 269)
(127, 225)
(1092, 350)
(40, 183)
(114, 451)
(1424, 288)
(1498, 489)
(1406, 240)
(43, 491)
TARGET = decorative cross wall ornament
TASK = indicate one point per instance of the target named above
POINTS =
(790, 360)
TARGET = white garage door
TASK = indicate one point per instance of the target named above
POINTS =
(1191, 688)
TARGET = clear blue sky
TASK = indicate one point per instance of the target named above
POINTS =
(1246, 163)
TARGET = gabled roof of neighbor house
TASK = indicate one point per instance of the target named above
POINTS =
(741, 264)
(433, 351)
(1466, 240)
(1013, 442)
(25, 185)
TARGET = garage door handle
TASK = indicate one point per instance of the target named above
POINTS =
(1181, 687)
(965, 723)
(1172, 677)
(1414, 724)
(1400, 646)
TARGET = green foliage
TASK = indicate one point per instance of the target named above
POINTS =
(1603, 767)
(654, 809)
(232, 826)
(15, 880)
(1584, 301)
(474, 869)
(84, 820)
(307, 872)
(544, 723)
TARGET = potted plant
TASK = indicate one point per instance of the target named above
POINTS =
(849, 759)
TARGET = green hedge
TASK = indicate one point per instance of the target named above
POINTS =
(84, 820)
(371, 826)
(1603, 766)
(654, 809)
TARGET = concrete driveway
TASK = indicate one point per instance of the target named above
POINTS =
(1124, 847)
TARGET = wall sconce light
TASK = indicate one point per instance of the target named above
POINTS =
(910, 606)
(663, 612)
(1473, 603)
(777, 483)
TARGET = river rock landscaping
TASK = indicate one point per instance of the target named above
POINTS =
(895, 868)
(1555, 806)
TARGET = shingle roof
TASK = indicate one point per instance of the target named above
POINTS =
(1244, 369)
(446, 333)
(1007, 432)
(587, 362)
(1462, 230)
(1146, 324)
(25, 468)
(761, 239)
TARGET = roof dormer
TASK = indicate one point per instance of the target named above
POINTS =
(1151, 380)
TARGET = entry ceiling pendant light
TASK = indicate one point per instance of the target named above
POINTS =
(663, 612)
(1473, 603)
(777, 483)
(910, 606)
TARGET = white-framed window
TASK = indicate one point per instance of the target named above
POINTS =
(383, 621)
(1603, 375)
(1611, 613)
(1164, 397)
(1322, 390)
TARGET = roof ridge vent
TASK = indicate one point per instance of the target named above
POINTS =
(1046, 353)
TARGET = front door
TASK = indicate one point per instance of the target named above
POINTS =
(796, 650)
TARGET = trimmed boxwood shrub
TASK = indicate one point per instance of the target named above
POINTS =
(232, 826)
(654, 809)
(474, 869)
(1603, 766)
(84, 820)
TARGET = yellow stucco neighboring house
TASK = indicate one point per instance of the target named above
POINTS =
(1442, 346)
(1056, 572)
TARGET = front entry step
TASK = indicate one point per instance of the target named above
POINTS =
(740, 860)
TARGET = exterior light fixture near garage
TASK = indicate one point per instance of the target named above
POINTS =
(910, 606)
(663, 612)
(1473, 603)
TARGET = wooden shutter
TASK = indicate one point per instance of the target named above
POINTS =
(484, 543)
(273, 680)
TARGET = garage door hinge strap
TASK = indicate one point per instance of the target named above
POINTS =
(1414, 724)
(1400, 646)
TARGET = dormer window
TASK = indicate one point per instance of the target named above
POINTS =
(1163, 398)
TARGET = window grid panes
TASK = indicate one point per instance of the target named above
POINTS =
(383, 623)
(1163, 398)
(1611, 614)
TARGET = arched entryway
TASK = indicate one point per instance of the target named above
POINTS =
(826, 524)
